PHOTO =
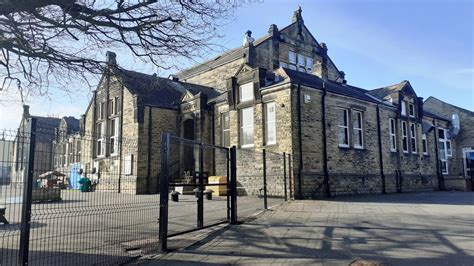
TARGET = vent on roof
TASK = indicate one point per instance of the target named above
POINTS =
(455, 126)
(173, 78)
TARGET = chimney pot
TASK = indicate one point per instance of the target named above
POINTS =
(248, 40)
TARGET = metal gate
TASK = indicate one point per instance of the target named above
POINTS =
(197, 177)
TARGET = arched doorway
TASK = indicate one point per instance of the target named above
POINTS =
(188, 150)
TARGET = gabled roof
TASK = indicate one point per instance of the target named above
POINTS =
(383, 92)
(72, 124)
(431, 98)
(317, 83)
(157, 91)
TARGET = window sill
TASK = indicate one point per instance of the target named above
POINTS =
(270, 144)
(247, 146)
(394, 151)
(344, 147)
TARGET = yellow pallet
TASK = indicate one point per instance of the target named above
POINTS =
(218, 190)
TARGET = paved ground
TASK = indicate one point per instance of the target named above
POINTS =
(101, 227)
(404, 229)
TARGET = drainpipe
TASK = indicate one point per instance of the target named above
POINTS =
(121, 142)
(149, 149)
(327, 189)
(379, 135)
(300, 141)
(438, 166)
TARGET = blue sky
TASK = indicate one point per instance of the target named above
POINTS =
(376, 43)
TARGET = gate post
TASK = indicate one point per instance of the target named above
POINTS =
(284, 176)
(164, 183)
(233, 185)
(265, 203)
(27, 195)
(200, 203)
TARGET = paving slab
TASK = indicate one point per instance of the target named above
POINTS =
(435, 228)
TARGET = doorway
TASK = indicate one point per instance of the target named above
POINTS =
(188, 150)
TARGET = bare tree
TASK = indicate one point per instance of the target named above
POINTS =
(62, 40)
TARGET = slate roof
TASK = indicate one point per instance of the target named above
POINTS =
(381, 93)
(72, 124)
(46, 128)
(432, 115)
(317, 83)
(157, 91)
(432, 98)
(223, 58)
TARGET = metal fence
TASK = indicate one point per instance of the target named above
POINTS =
(84, 198)
(209, 185)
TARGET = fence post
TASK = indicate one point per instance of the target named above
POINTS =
(265, 203)
(27, 195)
(164, 181)
(233, 185)
(284, 176)
(289, 176)
(200, 205)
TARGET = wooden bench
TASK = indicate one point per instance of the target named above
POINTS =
(2, 215)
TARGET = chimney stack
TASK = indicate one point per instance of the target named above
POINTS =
(111, 58)
(26, 111)
(248, 40)
(324, 63)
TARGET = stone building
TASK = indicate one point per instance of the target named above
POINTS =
(66, 145)
(457, 172)
(44, 152)
(281, 93)
(122, 127)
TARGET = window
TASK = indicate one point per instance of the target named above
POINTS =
(444, 149)
(114, 129)
(111, 107)
(270, 123)
(299, 62)
(405, 136)
(393, 135)
(128, 164)
(357, 129)
(116, 105)
(283, 64)
(413, 137)
(292, 57)
(101, 110)
(246, 127)
(404, 108)
(449, 152)
(411, 110)
(309, 64)
(225, 121)
(100, 132)
(246, 92)
(343, 125)
(425, 144)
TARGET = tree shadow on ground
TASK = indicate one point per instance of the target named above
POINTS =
(438, 197)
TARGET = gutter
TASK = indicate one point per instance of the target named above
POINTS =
(379, 135)
(327, 189)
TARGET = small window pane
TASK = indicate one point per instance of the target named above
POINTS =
(292, 57)
(270, 123)
(246, 92)
(404, 108)
(246, 129)
(301, 60)
(309, 64)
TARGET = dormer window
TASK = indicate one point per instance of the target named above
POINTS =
(411, 110)
(403, 108)
(246, 92)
